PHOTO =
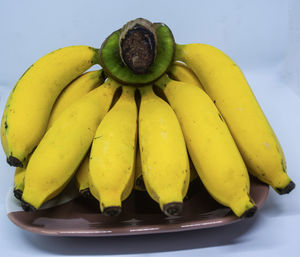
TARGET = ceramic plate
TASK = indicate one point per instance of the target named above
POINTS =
(73, 215)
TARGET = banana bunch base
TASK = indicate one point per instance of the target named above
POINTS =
(156, 117)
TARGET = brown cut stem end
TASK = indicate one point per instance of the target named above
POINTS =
(173, 209)
(137, 45)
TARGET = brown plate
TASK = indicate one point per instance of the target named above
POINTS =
(140, 215)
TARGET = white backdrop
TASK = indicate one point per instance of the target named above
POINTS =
(256, 34)
(263, 37)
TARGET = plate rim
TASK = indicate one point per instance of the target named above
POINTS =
(196, 224)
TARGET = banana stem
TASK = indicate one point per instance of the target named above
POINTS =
(137, 45)
(178, 56)
(162, 82)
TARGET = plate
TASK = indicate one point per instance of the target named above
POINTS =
(74, 215)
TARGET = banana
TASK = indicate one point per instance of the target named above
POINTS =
(194, 175)
(226, 85)
(165, 164)
(139, 181)
(64, 146)
(75, 90)
(19, 182)
(82, 177)
(179, 71)
(29, 104)
(138, 178)
(211, 146)
(112, 159)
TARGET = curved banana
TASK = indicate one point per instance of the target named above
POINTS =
(112, 159)
(75, 90)
(19, 182)
(64, 146)
(82, 177)
(211, 146)
(28, 107)
(138, 178)
(165, 164)
(179, 71)
(226, 85)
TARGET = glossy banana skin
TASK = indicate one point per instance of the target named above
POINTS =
(76, 89)
(226, 85)
(211, 146)
(181, 72)
(64, 146)
(82, 177)
(112, 159)
(28, 107)
(19, 182)
(165, 164)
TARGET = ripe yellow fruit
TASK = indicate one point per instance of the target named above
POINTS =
(211, 146)
(226, 85)
(165, 163)
(64, 146)
(112, 159)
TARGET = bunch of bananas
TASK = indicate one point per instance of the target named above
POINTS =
(156, 115)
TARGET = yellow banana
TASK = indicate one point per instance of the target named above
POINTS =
(28, 107)
(82, 177)
(64, 146)
(138, 179)
(79, 87)
(211, 146)
(226, 85)
(19, 182)
(179, 71)
(165, 164)
(194, 175)
(75, 90)
(112, 159)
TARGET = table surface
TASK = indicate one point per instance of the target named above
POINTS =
(273, 230)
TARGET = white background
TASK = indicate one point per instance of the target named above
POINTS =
(263, 37)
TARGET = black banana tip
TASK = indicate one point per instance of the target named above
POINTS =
(86, 193)
(13, 161)
(250, 212)
(112, 211)
(18, 193)
(173, 208)
(287, 189)
(27, 207)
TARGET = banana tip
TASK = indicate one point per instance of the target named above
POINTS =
(250, 212)
(86, 193)
(173, 208)
(112, 211)
(27, 207)
(13, 161)
(287, 189)
(18, 194)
